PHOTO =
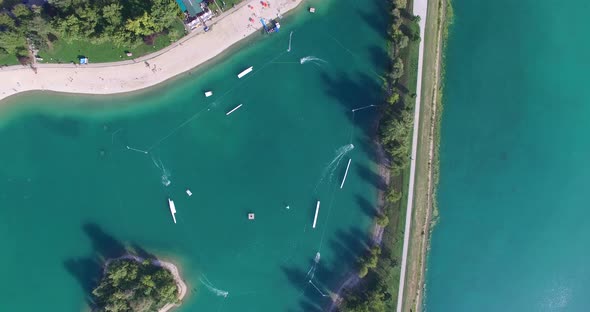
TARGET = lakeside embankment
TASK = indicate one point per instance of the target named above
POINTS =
(127, 76)
(182, 288)
(424, 214)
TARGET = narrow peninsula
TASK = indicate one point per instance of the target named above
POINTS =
(134, 284)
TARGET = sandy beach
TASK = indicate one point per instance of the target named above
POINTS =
(131, 75)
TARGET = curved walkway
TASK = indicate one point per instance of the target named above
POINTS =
(131, 75)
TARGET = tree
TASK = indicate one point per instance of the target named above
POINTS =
(132, 286)
(401, 4)
(142, 26)
(12, 43)
(393, 196)
(382, 220)
(397, 69)
(112, 15)
(164, 13)
(21, 12)
(6, 21)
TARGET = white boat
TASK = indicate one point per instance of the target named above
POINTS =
(233, 110)
(208, 94)
(317, 211)
(172, 209)
(245, 72)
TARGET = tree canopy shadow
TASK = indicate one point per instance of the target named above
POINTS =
(378, 22)
(371, 177)
(354, 93)
(365, 206)
(346, 246)
(88, 270)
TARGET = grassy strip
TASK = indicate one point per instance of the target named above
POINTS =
(379, 286)
(62, 51)
(427, 158)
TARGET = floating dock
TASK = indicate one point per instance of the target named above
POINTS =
(274, 26)
(251, 216)
(245, 72)
(233, 110)
(208, 94)
(189, 193)
(345, 173)
(312, 10)
(172, 209)
(317, 211)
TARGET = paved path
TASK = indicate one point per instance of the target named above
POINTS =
(420, 8)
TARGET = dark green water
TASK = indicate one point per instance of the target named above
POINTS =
(514, 227)
(72, 192)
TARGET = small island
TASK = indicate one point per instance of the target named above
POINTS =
(133, 284)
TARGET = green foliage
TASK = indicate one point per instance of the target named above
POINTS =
(369, 261)
(21, 12)
(379, 268)
(397, 69)
(132, 286)
(382, 220)
(371, 301)
(6, 21)
(11, 42)
(393, 196)
(120, 23)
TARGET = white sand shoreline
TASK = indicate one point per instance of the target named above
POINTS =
(182, 288)
(132, 75)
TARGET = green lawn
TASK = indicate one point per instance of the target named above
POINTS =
(67, 52)
(8, 60)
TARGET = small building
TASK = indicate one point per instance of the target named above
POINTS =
(191, 7)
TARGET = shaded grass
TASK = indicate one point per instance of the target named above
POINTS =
(8, 60)
(63, 51)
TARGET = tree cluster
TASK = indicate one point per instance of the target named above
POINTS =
(379, 267)
(369, 261)
(123, 23)
(397, 121)
(130, 286)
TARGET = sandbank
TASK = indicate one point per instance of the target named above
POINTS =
(131, 75)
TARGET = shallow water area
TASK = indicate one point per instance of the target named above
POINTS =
(85, 176)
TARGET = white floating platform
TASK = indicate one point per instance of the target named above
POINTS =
(208, 94)
(172, 209)
(245, 72)
(251, 216)
(345, 173)
(317, 211)
(189, 193)
(233, 110)
(312, 10)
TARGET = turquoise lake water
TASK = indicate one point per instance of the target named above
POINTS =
(514, 227)
(73, 193)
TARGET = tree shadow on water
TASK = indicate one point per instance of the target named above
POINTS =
(327, 277)
(88, 270)
(371, 177)
(354, 92)
(365, 206)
